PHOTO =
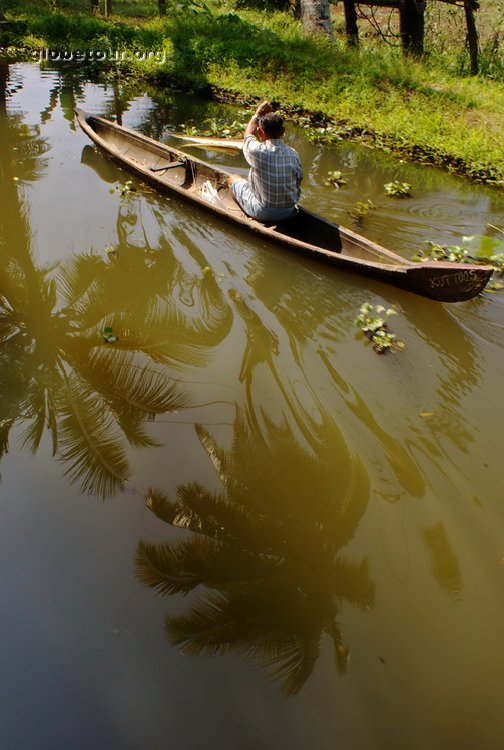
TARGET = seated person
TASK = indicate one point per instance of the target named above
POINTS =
(274, 185)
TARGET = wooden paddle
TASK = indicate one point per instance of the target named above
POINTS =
(232, 146)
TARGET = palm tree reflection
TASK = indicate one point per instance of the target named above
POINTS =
(60, 371)
(62, 374)
(57, 368)
(268, 550)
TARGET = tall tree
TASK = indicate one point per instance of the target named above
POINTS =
(412, 26)
(351, 28)
(472, 34)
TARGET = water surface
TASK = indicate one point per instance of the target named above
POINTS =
(324, 524)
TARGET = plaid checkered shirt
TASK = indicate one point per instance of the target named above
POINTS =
(276, 173)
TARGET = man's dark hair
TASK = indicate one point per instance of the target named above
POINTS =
(272, 124)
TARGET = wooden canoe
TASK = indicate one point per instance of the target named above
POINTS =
(175, 172)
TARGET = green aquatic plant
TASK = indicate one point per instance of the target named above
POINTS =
(497, 261)
(360, 210)
(373, 322)
(496, 282)
(434, 251)
(188, 129)
(222, 127)
(216, 127)
(398, 189)
(325, 134)
(108, 335)
(125, 190)
(336, 178)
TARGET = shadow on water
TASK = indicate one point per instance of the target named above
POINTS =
(267, 550)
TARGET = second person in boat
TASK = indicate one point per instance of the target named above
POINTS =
(274, 185)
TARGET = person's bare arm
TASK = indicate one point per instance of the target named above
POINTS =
(253, 123)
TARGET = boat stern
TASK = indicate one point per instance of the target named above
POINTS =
(449, 282)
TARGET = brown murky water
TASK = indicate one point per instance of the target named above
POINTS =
(325, 523)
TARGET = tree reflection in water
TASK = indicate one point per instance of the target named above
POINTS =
(267, 548)
(57, 370)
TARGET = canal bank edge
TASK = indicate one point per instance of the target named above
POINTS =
(320, 124)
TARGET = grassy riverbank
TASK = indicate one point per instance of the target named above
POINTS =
(419, 110)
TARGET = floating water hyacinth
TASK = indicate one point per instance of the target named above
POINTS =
(360, 210)
(398, 189)
(372, 321)
(108, 335)
(124, 191)
(216, 127)
(336, 178)
(452, 253)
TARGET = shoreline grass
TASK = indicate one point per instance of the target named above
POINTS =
(417, 110)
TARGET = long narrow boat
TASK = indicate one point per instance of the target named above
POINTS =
(175, 172)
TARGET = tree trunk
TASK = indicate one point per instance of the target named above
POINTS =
(411, 18)
(162, 7)
(95, 7)
(120, 106)
(315, 16)
(4, 79)
(472, 36)
(108, 7)
(352, 30)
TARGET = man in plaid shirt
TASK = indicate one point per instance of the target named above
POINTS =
(274, 184)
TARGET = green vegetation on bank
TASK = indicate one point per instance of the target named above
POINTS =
(419, 110)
